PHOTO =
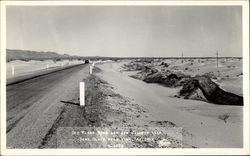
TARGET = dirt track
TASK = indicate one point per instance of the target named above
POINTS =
(34, 105)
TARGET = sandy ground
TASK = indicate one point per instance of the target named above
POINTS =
(25, 68)
(45, 115)
(108, 111)
(206, 124)
(230, 71)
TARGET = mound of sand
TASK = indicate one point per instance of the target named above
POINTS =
(144, 73)
(215, 94)
(198, 87)
(203, 88)
(166, 78)
(190, 89)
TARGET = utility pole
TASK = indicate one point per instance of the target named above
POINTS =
(181, 57)
(217, 60)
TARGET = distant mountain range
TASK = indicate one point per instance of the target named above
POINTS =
(27, 55)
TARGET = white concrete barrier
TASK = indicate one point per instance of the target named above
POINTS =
(13, 70)
(82, 94)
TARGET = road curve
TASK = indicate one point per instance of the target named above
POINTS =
(34, 105)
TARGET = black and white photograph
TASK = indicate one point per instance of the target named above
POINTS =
(124, 76)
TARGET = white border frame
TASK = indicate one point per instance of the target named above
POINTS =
(199, 151)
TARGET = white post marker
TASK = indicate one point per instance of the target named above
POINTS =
(82, 94)
(13, 70)
(90, 69)
(47, 67)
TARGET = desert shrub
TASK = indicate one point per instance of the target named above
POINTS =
(191, 60)
(56, 60)
(210, 75)
(239, 74)
(9, 59)
(224, 117)
(25, 59)
(164, 64)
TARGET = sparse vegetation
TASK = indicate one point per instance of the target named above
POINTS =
(224, 117)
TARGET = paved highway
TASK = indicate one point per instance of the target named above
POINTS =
(34, 105)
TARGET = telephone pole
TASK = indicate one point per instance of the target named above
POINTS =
(217, 60)
(182, 57)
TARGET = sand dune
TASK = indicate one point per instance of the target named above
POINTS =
(208, 82)
(207, 125)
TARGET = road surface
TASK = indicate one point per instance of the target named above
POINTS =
(34, 105)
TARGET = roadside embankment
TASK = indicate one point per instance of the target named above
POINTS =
(106, 110)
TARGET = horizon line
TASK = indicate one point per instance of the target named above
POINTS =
(129, 56)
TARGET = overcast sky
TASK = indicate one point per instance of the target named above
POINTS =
(126, 30)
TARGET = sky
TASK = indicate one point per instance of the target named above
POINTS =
(126, 31)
